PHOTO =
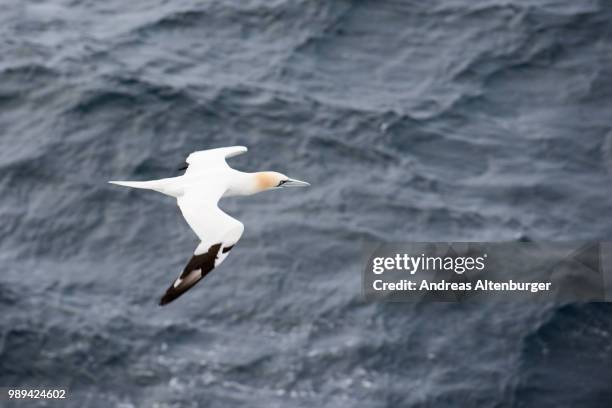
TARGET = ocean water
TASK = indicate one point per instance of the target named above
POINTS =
(413, 121)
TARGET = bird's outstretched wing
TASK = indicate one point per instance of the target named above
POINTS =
(211, 159)
(217, 231)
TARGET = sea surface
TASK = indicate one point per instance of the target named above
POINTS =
(438, 120)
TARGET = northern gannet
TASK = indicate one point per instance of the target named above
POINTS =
(207, 179)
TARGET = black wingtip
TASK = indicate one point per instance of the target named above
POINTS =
(197, 268)
(169, 296)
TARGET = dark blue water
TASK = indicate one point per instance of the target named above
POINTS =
(413, 120)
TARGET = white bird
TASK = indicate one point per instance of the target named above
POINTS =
(207, 179)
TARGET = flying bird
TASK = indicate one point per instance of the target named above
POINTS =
(206, 180)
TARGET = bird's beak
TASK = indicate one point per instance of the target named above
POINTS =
(295, 183)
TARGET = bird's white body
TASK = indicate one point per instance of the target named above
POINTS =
(207, 179)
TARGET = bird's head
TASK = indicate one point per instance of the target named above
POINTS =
(267, 180)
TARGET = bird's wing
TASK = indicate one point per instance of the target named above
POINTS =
(212, 158)
(217, 231)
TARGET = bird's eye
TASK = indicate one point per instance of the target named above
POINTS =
(280, 183)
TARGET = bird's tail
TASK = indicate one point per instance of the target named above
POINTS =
(164, 186)
(149, 185)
